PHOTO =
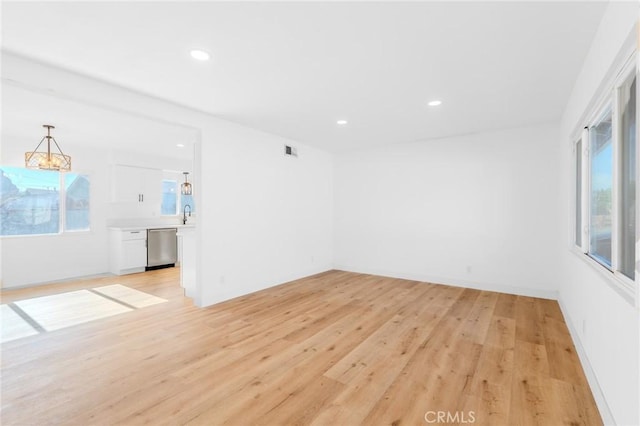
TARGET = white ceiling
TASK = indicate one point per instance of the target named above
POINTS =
(293, 69)
(80, 124)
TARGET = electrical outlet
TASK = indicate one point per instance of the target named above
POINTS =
(221, 279)
(468, 269)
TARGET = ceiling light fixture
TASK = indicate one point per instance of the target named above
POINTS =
(47, 160)
(180, 145)
(341, 122)
(186, 188)
(435, 103)
(200, 55)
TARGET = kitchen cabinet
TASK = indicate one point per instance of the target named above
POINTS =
(132, 184)
(127, 251)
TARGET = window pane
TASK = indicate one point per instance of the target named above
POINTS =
(29, 201)
(187, 199)
(169, 197)
(76, 202)
(601, 190)
(628, 179)
(578, 229)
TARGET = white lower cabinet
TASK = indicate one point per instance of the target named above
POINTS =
(127, 251)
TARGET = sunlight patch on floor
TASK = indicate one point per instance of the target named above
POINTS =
(13, 326)
(129, 296)
(67, 309)
(47, 313)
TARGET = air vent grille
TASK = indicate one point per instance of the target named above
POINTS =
(290, 150)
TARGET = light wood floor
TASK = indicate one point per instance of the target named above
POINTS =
(334, 349)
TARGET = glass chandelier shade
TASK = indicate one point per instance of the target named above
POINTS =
(186, 188)
(48, 160)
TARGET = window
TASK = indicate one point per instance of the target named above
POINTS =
(171, 198)
(605, 186)
(34, 202)
(76, 217)
(187, 199)
(601, 174)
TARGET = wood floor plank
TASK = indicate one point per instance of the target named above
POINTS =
(568, 404)
(501, 333)
(532, 402)
(529, 326)
(489, 404)
(506, 306)
(531, 360)
(479, 319)
(334, 348)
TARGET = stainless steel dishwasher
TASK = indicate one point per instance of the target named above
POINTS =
(162, 248)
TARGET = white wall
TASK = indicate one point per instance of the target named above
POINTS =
(270, 215)
(605, 327)
(471, 210)
(263, 219)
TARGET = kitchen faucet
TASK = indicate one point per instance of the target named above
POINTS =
(184, 214)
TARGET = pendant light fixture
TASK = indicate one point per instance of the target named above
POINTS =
(186, 187)
(47, 160)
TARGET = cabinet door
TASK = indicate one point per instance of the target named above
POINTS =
(134, 254)
(151, 180)
(126, 184)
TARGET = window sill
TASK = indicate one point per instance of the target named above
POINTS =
(621, 286)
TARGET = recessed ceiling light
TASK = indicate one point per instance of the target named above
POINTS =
(180, 145)
(341, 122)
(435, 103)
(200, 55)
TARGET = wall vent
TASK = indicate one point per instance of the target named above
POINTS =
(290, 150)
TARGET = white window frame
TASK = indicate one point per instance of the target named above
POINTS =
(583, 209)
(609, 98)
(577, 155)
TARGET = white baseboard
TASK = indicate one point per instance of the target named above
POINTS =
(59, 280)
(234, 293)
(518, 291)
(596, 390)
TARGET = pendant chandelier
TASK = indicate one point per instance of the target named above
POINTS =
(186, 187)
(47, 160)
